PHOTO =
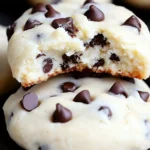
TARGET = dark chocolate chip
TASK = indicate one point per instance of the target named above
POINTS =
(94, 14)
(134, 22)
(39, 37)
(75, 58)
(98, 40)
(62, 114)
(48, 64)
(27, 88)
(88, 1)
(99, 63)
(40, 55)
(114, 57)
(68, 87)
(29, 102)
(31, 24)
(40, 7)
(131, 80)
(43, 147)
(106, 110)
(144, 95)
(64, 65)
(83, 97)
(53, 95)
(51, 12)
(117, 88)
(66, 23)
(10, 30)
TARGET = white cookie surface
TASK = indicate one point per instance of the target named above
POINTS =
(108, 121)
(7, 82)
(118, 44)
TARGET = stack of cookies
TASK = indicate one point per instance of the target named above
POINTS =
(81, 70)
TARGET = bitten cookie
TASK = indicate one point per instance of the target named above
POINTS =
(7, 83)
(85, 114)
(49, 40)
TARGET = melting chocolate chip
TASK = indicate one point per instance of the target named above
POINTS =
(40, 7)
(10, 30)
(134, 22)
(68, 87)
(131, 80)
(48, 64)
(64, 65)
(94, 14)
(31, 24)
(98, 40)
(88, 1)
(62, 114)
(99, 63)
(66, 23)
(83, 97)
(114, 57)
(117, 89)
(29, 102)
(144, 95)
(75, 58)
(43, 147)
(40, 55)
(106, 110)
(51, 12)
(27, 88)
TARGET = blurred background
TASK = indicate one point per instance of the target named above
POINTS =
(10, 10)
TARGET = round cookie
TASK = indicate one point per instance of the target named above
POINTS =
(80, 114)
(50, 40)
(139, 3)
(7, 82)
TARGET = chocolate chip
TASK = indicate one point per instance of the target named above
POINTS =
(29, 102)
(131, 80)
(68, 87)
(64, 65)
(48, 64)
(99, 63)
(94, 14)
(144, 95)
(83, 97)
(40, 7)
(40, 55)
(114, 57)
(88, 1)
(51, 12)
(31, 24)
(75, 58)
(27, 88)
(106, 110)
(117, 88)
(98, 40)
(10, 30)
(43, 147)
(66, 23)
(62, 114)
(134, 22)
